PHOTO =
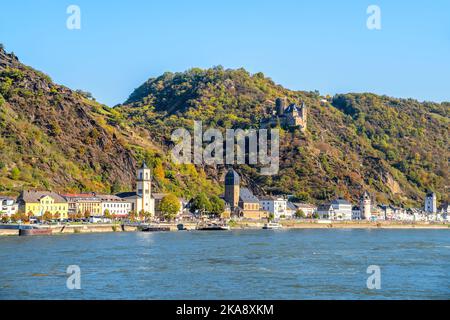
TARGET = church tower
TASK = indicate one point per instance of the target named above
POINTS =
(365, 206)
(232, 182)
(431, 203)
(144, 189)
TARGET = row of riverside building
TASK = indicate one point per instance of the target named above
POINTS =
(241, 202)
(37, 203)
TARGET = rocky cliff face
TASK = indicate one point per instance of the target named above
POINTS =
(53, 137)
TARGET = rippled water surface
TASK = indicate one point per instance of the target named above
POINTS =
(258, 264)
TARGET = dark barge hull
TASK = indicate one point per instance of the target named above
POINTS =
(155, 229)
(35, 232)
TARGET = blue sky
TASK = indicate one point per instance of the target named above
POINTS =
(315, 45)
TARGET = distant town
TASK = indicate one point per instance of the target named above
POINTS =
(237, 203)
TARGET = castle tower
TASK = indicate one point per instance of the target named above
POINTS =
(144, 189)
(365, 206)
(304, 117)
(232, 182)
(280, 105)
(431, 203)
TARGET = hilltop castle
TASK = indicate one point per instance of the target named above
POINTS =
(290, 116)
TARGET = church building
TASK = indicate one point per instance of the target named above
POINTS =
(142, 199)
(241, 201)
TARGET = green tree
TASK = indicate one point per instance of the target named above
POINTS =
(47, 216)
(201, 203)
(107, 214)
(217, 205)
(132, 215)
(299, 214)
(15, 173)
(169, 206)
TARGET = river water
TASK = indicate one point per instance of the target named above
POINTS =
(247, 264)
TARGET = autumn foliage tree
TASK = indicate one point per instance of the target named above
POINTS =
(169, 206)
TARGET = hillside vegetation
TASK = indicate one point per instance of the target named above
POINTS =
(55, 138)
(394, 148)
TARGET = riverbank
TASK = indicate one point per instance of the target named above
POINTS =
(67, 229)
(322, 224)
(239, 225)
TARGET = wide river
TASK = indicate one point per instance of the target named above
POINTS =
(256, 264)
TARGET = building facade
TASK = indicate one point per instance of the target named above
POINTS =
(249, 206)
(326, 211)
(342, 209)
(39, 202)
(84, 204)
(274, 205)
(115, 206)
(307, 208)
(8, 207)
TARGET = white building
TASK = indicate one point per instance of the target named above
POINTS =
(342, 209)
(291, 209)
(8, 207)
(274, 205)
(326, 211)
(308, 209)
(115, 205)
(356, 213)
(431, 203)
(141, 200)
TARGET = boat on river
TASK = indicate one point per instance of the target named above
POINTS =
(272, 226)
(212, 227)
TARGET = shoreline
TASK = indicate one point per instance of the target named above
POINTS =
(241, 225)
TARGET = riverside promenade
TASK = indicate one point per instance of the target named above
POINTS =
(13, 229)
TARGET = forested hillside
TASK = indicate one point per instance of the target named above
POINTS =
(52, 137)
(394, 148)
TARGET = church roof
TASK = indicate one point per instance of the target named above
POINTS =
(124, 195)
(144, 165)
(232, 178)
(340, 201)
(245, 195)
